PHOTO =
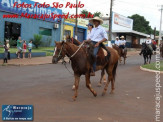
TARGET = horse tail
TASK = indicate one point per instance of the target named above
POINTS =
(114, 70)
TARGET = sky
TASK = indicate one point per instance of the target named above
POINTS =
(147, 8)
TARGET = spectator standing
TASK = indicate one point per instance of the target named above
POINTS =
(30, 49)
(24, 48)
(8, 46)
(5, 52)
(19, 41)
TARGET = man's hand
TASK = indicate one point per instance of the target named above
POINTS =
(86, 41)
(97, 44)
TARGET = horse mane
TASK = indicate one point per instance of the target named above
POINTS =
(75, 41)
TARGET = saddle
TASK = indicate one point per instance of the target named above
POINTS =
(101, 57)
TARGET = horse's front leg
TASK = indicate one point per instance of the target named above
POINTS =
(77, 79)
(88, 84)
(149, 59)
(124, 60)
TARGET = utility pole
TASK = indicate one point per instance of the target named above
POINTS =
(160, 25)
(154, 32)
(76, 24)
(110, 20)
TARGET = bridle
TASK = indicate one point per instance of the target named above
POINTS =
(68, 54)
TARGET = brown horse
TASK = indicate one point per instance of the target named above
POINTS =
(81, 65)
(121, 53)
(77, 42)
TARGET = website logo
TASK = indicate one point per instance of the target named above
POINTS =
(17, 112)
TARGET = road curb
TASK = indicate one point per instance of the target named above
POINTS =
(149, 70)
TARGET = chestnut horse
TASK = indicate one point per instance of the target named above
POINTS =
(81, 65)
(77, 42)
(121, 53)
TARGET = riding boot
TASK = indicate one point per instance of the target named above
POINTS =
(108, 52)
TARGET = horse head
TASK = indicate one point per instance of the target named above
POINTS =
(59, 52)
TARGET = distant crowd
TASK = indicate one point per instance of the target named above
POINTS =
(21, 48)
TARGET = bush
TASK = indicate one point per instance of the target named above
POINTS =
(37, 40)
(12, 43)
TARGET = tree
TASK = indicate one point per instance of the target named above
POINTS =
(85, 12)
(97, 14)
(141, 24)
(37, 40)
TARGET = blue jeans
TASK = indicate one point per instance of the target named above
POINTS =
(95, 51)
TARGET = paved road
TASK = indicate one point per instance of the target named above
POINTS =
(48, 88)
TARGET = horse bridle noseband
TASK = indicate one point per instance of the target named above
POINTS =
(68, 54)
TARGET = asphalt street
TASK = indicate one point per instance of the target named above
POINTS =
(48, 89)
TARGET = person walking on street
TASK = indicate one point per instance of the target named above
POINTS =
(30, 49)
(19, 41)
(24, 48)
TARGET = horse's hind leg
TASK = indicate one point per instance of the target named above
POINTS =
(88, 84)
(102, 78)
(77, 79)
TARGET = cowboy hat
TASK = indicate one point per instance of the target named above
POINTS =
(122, 37)
(117, 37)
(96, 18)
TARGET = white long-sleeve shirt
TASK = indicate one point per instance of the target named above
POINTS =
(117, 42)
(98, 34)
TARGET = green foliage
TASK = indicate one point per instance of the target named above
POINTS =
(37, 40)
(85, 12)
(12, 43)
(97, 14)
(141, 24)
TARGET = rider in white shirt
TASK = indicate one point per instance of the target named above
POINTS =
(122, 42)
(117, 41)
(97, 37)
(149, 44)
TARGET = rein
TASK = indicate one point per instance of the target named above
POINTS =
(77, 50)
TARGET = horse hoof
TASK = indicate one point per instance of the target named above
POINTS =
(111, 92)
(95, 94)
(73, 87)
(74, 98)
(99, 85)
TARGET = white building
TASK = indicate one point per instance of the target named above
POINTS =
(123, 26)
